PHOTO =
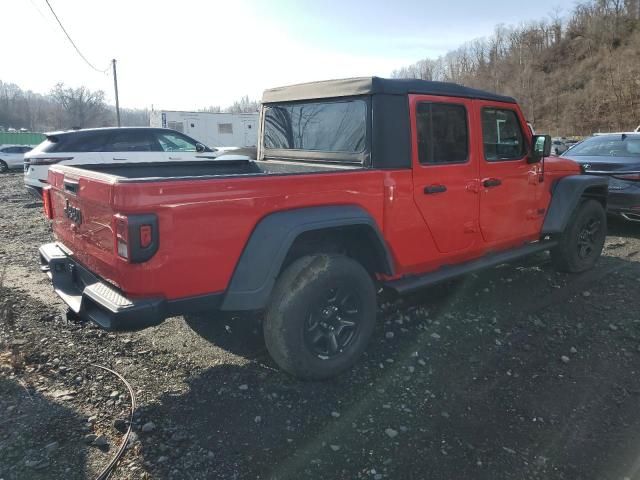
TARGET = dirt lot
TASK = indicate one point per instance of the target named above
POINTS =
(517, 373)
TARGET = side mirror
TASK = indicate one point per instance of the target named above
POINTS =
(541, 148)
(200, 148)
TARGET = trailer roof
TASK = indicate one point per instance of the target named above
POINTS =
(374, 85)
(192, 112)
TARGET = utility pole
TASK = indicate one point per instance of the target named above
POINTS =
(115, 86)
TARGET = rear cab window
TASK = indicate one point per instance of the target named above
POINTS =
(502, 135)
(328, 131)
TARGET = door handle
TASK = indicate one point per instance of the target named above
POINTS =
(120, 158)
(492, 182)
(434, 189)
(175, 158)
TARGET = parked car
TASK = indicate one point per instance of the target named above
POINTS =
(113, 145)
(359, 184)
(616, 156)
(558, 146)
(12, 156)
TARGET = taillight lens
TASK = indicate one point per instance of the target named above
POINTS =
(628, 176)
(46, 201)
(45, 160)
(136, 236)
(121, 229)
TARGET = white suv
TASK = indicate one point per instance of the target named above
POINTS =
(12, 156)
(113, 145)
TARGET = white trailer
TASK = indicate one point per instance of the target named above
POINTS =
(212, 129)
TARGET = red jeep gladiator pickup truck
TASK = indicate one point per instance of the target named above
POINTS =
(358, 184)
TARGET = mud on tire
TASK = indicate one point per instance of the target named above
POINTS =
(321, 316)
(581, 243)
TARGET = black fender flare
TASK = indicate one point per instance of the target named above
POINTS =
(566, 195)
(265, 251)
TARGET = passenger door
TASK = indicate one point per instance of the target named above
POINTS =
(508, 199)
(133, 145)
(445, 170)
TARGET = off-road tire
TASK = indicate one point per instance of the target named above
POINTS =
(3, 167)
(298, 300)
(581, 243)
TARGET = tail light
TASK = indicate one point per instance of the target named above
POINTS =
(45, 160)
(136, 237)
(628, 176)
(121, 230)
(46, 201)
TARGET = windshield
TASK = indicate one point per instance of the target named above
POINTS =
(608, 146)
(323, 126)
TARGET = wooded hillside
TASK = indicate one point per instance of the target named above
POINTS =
(573, 76)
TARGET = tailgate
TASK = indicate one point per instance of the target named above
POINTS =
(83, 217)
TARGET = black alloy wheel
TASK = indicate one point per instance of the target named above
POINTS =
(334, 322)
(321, 316)
(581, 243)
(588, 237)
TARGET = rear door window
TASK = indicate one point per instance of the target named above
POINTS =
(443, 135)
(84, 142)
(133, 141)
(502, 135)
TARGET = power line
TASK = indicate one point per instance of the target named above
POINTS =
(72, 42)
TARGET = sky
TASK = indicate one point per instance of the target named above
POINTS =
(190, 54)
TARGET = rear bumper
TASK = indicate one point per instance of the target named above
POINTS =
(94, 299)
(36, 175)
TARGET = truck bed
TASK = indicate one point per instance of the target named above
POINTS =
(126, 172)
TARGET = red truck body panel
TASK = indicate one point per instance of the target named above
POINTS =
(204, 224)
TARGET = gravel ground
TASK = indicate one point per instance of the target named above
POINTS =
(517, 373)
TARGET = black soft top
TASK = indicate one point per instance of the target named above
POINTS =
(347, 87)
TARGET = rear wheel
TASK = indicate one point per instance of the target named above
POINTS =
(581, 243)
(321, 316)
(3, 166)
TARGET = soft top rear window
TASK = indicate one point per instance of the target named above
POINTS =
(332, 126)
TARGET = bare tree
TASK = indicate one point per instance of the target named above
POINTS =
(244, 105)
(79, 107)
(211, 109)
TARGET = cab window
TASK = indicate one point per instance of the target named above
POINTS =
(502, 135)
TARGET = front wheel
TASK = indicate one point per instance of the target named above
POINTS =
(581, 243)
(3, 166)
(321, 316)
